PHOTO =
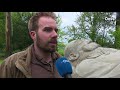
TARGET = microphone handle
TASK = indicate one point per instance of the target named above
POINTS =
(68, 76)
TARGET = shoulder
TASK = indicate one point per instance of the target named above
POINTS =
(19, 55)
(9, 64)
(13, 58)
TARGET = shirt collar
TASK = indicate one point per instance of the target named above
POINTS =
(41, 59)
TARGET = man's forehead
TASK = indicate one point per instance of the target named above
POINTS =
(46, 20)
(47, 23)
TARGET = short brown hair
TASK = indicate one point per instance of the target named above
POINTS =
(33, 22)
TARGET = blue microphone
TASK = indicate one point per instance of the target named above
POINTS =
(64, 67)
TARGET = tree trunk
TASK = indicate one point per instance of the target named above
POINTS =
(116, 42)
(118, 20)
(8, 33)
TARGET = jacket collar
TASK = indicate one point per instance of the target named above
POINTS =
(23, 62)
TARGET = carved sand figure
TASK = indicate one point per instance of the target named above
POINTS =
(90, 60)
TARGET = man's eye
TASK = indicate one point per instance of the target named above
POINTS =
(47, 29)
(56, 30)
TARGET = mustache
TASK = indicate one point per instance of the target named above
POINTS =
(53, 40)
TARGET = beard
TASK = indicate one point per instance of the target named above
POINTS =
(46, 46)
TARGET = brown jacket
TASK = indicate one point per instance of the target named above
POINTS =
(18, 65)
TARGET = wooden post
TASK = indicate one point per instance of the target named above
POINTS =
(8, 33)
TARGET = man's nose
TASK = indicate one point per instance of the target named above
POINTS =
(54, 34)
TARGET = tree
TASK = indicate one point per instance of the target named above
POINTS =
(73, 33)
(95, 26)
(8, 33)
(61, 36)
(117, 32)
(20, 38)
(2, 32)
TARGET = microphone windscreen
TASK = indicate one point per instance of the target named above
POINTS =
(63, 66)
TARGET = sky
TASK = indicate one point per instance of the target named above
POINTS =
(68, 18)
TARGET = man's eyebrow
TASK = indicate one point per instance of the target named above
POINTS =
(47, 28)
(50, 27)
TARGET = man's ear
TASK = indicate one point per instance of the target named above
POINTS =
(32, 34)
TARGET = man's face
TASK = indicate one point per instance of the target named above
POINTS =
(46, 36)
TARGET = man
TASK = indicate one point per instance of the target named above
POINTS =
(37, 61)
(90, 60)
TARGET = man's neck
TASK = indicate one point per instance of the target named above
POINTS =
(41, 53)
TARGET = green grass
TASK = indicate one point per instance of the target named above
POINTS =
(2, 55)
(1, 61)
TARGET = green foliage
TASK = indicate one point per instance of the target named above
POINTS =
(74, 33)
(20, 36)
(2, 55)
(61, 33)
(2, 31)
(93, 25)
(1, 61)
(117, 38)
(61, 36)
(61, 48)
